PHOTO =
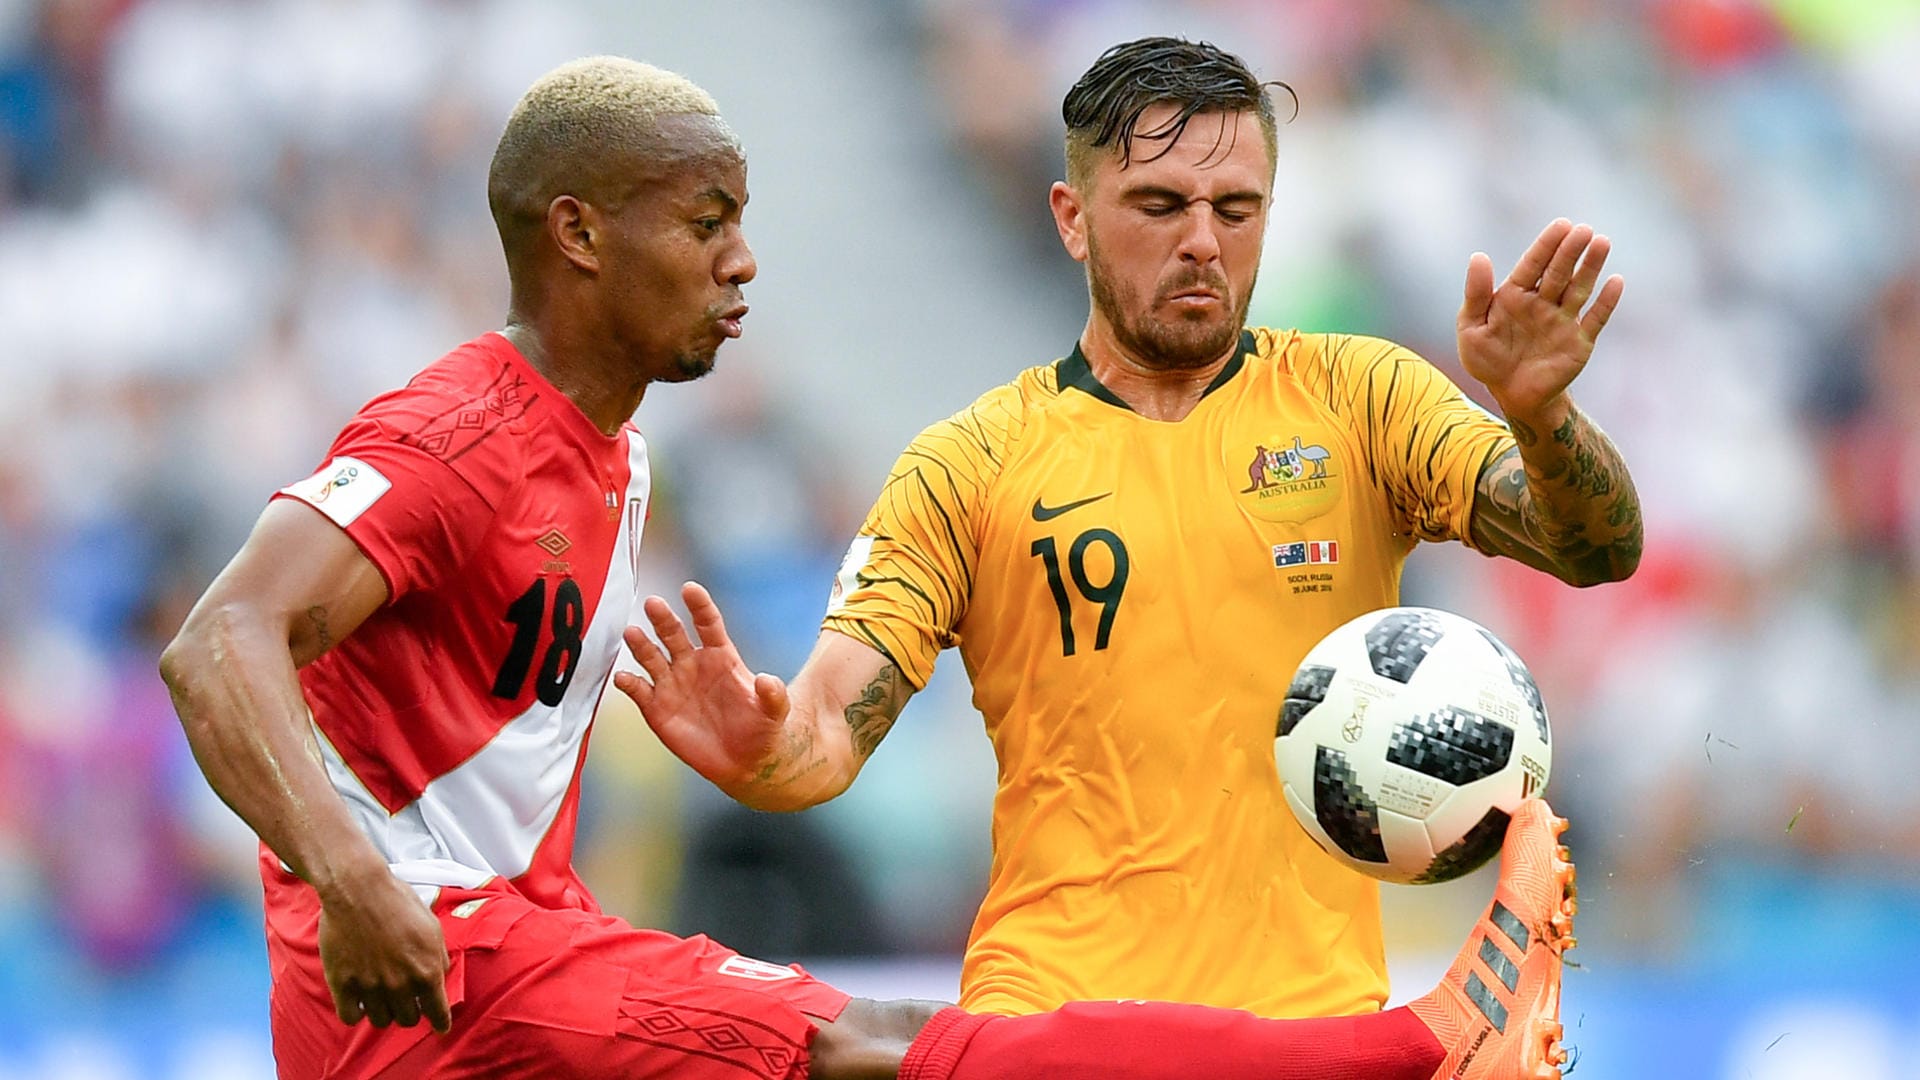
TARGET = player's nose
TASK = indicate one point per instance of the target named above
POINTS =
(1199, 243)
(737, 266)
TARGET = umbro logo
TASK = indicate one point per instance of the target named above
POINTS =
(1042, 512)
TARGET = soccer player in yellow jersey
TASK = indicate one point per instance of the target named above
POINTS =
(1133, 547)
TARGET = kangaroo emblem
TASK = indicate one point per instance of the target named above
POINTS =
(1265, 461)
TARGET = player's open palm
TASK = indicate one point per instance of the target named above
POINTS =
(701, 700)
(1528, 338)
(384, 955)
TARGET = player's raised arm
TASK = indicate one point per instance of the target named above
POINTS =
(296, 588)
(766, 744)
(1563, 501)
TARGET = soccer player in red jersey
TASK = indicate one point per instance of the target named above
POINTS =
(393, 681)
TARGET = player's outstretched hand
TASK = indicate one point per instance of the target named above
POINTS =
(1528, 338)
(383, 953)
(701, 700)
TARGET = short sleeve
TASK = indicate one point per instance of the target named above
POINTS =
(904, 585)
(1427, 440)
(414, 514)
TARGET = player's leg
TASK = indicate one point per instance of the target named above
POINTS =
(1142, 1040)
(544, 992)
(1494, 1017)
(1157, 1040)
(600, 999)
(1498, 1008)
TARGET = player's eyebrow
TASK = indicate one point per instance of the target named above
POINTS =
(1142, 192)
(1153, 191)
(721, 195)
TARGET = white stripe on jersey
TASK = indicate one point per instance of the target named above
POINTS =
(489, 814)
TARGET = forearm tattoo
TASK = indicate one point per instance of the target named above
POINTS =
(797, 757)
(1564, 504)
(871, 716)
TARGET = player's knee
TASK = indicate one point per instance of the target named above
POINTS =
(869, 1040)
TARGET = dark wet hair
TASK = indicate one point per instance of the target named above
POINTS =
(1104, 107)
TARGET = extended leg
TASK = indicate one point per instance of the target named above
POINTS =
(1494, 1017)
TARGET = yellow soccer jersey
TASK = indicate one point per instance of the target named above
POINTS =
(1131, 598)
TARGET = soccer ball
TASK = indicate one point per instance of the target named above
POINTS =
(1407, 738)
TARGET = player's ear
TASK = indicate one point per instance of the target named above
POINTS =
(575, 228)
(1069, 216)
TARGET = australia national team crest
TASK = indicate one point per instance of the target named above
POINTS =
(1284, 478)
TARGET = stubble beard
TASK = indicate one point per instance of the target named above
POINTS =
(695, 361)
(687, 366)
(1181, 345)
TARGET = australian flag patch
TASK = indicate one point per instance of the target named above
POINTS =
(1304, 552)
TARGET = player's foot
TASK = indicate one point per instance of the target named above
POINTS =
(1497, 1012)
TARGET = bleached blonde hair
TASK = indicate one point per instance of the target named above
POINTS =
(571, 129)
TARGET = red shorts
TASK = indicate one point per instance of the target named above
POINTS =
(540, 992)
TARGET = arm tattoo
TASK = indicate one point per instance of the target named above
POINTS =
(800, 754)
(1564, 504)
(322, 637)
(871, 716)
(794, 760)
(1523, 434)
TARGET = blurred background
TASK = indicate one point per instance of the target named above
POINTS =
(224, 225)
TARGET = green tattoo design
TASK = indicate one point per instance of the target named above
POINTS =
(1523, 434)
(797, 757)
(872, 716)
(1567, 507)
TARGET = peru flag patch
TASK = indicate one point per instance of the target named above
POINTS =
(1305, 552)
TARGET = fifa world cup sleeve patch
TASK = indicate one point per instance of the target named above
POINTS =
(848, 579)
(343, 490)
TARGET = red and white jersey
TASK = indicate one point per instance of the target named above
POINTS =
(454, 720)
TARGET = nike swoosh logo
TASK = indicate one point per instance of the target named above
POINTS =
(1042, 512)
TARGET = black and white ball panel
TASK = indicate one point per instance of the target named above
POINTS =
(1309, 689)
(1451, 744)
(1343, 808)
(1523, 682)
(1470, 852)
(1398, 642)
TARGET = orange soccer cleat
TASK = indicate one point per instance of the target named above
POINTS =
(1497, 1011)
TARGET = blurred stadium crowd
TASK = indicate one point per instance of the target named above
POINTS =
(224, 225)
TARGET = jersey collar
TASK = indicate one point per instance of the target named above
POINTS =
(1073, 370)
(564, 407)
